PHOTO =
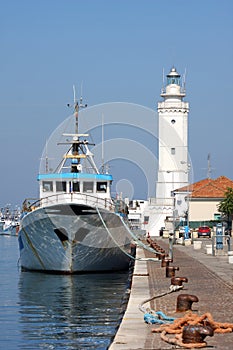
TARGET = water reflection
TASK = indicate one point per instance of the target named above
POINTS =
(69, 312)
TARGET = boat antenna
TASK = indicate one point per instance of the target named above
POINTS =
(102, 143)
(76, 107)
(74, 92)
(81, 96)
(46, 158)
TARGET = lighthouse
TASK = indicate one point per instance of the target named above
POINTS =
(172, 137)
(168, 206)
(173, 169)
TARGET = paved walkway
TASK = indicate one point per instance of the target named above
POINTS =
(210, 278)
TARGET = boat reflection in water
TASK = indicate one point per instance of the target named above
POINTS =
(70, 311)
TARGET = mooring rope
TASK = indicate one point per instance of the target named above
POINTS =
(140, 243)
(190, 319)
(129, 255)
(171, 289)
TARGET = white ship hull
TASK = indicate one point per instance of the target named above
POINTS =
(73, 238)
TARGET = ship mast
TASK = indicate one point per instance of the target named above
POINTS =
(79, 148)
(76, 108)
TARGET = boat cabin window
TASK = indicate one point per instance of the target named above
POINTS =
(60, 186)
(101, 187)
(88, 186)
(76, 186)
(47, 186)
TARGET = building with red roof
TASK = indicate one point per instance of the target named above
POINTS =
(203, 197)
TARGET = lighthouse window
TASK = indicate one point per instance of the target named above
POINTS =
(88, 186)
(60, 186)
(173, 80)
(47, 186)
(173, 151)
(173, 121)
(101, 187)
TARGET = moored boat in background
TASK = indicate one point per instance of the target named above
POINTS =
(9, 221)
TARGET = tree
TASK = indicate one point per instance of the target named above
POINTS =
(226, 205)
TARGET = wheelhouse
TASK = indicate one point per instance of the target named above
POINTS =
(94, 184)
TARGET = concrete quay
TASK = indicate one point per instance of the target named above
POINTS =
(210, 278)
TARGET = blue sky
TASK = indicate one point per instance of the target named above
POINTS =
(117, 49)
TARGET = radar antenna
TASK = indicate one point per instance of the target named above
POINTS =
(209, 168)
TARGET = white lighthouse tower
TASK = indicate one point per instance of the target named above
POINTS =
(173, 171)
(173, 137)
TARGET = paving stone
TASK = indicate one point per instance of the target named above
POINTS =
(210, 278)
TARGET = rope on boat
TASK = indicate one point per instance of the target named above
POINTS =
(140, 243)
(129, 255)
(105, 226)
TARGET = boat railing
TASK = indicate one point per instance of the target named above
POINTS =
(80, 198)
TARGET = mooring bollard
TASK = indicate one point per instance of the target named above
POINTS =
(161, 256)
(196, 333)
(165, 262)
(170, 271)
(161, 250)
(178, 281)
(185, 301)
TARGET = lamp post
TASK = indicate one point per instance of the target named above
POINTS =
(172, 232)
(188, 189)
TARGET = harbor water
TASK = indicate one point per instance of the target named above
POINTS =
(44, 311)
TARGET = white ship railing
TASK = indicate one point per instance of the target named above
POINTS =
(73, 198)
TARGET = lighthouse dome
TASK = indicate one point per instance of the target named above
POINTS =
(173, 77)
(173, 73)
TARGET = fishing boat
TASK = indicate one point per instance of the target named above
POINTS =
(75, 226)
(9, 228)
(9, 221)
